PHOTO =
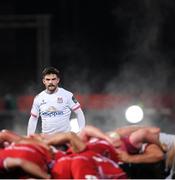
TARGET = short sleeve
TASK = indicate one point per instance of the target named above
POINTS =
(73, 102)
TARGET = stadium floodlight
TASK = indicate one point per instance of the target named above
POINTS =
(134, 114)
(74, 125)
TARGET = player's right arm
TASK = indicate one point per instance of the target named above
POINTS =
(32, 124)
(33, 120)
(76, 143)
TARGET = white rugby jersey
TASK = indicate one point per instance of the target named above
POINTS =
(55, 110)
(168, 139)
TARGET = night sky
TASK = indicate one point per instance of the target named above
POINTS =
(99, 46)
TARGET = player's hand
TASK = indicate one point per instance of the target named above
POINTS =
(122, 155)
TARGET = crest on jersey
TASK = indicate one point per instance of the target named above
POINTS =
(59, 100)
(74, 99)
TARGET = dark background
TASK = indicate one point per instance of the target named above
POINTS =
(103, 45)
(119, 47)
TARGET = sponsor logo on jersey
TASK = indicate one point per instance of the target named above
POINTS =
(59, 100)
(51, 112)
(74, 99)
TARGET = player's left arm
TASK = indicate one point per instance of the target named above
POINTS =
(68, 137)
(80, 118)
(152, 154)
(9, 136)
(76, 108)
(27, 166)
(91, 131)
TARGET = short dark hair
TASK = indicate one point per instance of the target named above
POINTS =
(50, 70)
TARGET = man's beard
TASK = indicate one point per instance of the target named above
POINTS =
(51, 88)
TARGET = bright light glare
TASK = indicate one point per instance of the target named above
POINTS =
(134, 114)
(74, 125)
